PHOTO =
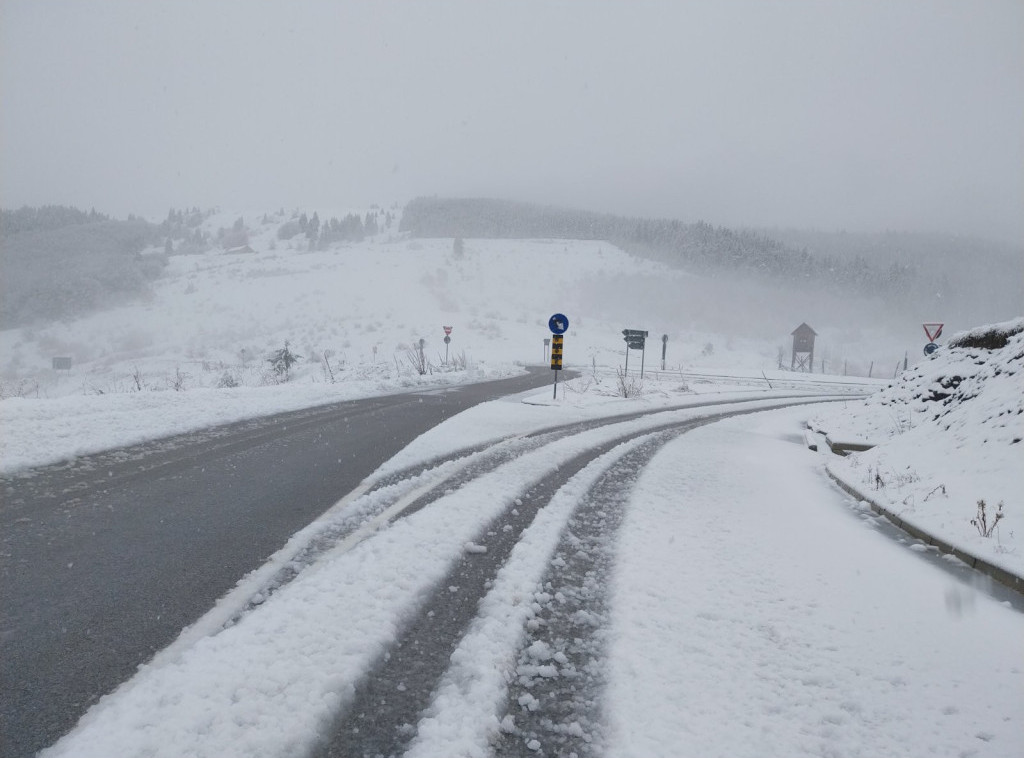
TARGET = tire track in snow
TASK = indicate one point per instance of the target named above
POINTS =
(367, 509)
(388, 701)
(391, 698)
(554, 701)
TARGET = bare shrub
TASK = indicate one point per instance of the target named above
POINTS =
(138, 380)
(626, 385)
(178, 380)
(980, 521)
(418, 360)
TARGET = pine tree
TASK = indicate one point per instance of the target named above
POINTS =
(282, 360)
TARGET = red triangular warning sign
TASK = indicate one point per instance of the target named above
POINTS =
(934, 331)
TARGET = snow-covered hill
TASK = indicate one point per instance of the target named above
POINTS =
(949, 437)
(356, 309)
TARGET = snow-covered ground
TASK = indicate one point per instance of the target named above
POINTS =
(354, 312)
(755, 610)
(950, 435)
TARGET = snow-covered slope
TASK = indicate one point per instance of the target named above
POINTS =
(356, 309)
(949, 433)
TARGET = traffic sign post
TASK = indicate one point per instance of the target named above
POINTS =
(556, 352)
(556, 360)
(558, 324)
(447, 341)
(664, 344)
(933, 331)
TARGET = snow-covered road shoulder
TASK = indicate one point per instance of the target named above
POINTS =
(950, 452)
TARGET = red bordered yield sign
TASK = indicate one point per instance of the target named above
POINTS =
(447, 330)
(934, 331)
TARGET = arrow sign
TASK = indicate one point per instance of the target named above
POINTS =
(934, 331)
(558, 323)
(635, 338)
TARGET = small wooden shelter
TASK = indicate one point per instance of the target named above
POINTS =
(803, 349)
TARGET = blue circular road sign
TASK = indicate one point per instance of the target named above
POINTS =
(558, 323)
(930, 348)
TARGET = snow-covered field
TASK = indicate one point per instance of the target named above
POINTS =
(755, 607)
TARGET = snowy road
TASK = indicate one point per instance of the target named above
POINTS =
(659, 585)
(105, 558)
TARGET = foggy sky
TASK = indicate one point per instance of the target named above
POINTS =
(868, 115)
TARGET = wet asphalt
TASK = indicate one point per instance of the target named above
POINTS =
(105, 559)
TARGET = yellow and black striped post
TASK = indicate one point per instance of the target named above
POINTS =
(556, 359)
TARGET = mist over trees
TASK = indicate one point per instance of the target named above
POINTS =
(60, 262)
(321, 235)
(967, 280)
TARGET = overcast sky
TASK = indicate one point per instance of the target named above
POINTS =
(858, 115)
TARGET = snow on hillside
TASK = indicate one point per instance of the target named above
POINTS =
(949, 435)
(357, 309)
(214, 318)
(196, 352)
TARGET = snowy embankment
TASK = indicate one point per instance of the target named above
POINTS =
(949, 458)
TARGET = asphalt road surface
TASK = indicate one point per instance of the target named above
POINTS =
(104, 560)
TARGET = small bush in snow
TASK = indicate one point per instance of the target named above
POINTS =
(626, 385)
(178, 380)
(980, 521)
(416, 358)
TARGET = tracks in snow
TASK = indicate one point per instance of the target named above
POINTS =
(458, 604)
(551, 674)
(381, 501)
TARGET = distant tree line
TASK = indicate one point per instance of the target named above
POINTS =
(182, 232)
(58, 262)
(711, 251)
(28, 219)
(351, 228)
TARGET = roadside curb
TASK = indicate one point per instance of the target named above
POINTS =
(1000, 574)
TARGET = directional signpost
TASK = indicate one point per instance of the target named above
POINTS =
(635, 340)
(933, 331)
(558, 324)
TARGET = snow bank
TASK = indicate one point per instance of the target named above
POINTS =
(949, 431)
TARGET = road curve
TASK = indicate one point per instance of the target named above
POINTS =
(104, 560)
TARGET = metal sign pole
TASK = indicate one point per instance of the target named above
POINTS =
(554, 394)
(643, 355)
